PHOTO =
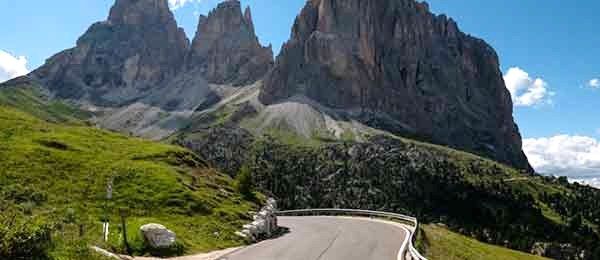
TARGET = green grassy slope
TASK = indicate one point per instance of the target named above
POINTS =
(441, 243)
(29, 98)
(59, 173)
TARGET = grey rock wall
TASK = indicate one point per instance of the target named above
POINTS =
(226, 49)
(394, 58)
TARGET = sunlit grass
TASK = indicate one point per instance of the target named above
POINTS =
(443, 244)
(61, 172)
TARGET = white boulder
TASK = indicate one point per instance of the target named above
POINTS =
(158, 236)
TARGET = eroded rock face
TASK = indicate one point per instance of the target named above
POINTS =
(138, 48)
(226, 50)
(401, 68)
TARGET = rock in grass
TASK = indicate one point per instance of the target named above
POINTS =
(158, 236)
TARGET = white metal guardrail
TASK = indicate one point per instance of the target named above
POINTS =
(414, 253)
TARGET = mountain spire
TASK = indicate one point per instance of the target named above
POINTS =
(120, 60)
(248, 19)
(140, 12)
(226, 50)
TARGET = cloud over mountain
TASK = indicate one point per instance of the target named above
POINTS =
(577, 157)
(11, 66)
(525, 90)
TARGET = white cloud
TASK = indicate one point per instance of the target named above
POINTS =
(577, 157)
(11, 66)
(594, 181)
(176, 4)
(594, 83)
(526, 91)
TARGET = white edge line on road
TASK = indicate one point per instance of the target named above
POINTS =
(412, 250)
(403, 248)
(396, 224)
(406, 238)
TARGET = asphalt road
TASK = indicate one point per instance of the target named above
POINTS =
(328, 238)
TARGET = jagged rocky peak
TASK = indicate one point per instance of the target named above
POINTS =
(396, 66)
(136, 12)
(120, 60)
(226, 50)
(248, 18)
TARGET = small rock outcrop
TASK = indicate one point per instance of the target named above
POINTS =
(264, 224)
(137, 49)
(398, 67)
(158, 236)
(558, 251)
(226, 50)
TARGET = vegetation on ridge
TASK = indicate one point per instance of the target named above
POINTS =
(474, 196)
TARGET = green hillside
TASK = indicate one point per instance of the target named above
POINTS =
(28, 97)
(439, 243)
(54, 178)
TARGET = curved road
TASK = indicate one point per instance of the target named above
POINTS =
(328, 238)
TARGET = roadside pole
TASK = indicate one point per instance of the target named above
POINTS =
(105, 221)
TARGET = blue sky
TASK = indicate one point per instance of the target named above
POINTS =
(554, 45)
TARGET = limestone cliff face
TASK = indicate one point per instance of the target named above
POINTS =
(139, 69)
(226, 50)
(138, 48)
(396, 66)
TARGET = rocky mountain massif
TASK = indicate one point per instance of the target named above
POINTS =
(321, 125)
(140, 71)
(137, 50)
(349, 68)
(396, 66)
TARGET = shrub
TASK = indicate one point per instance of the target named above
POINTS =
(18, 193)
(244, 182)
(23, 237)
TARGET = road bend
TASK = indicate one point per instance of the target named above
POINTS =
(328, 238)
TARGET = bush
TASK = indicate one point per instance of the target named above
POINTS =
(21, 194)
(23, 237)
(244, 182)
